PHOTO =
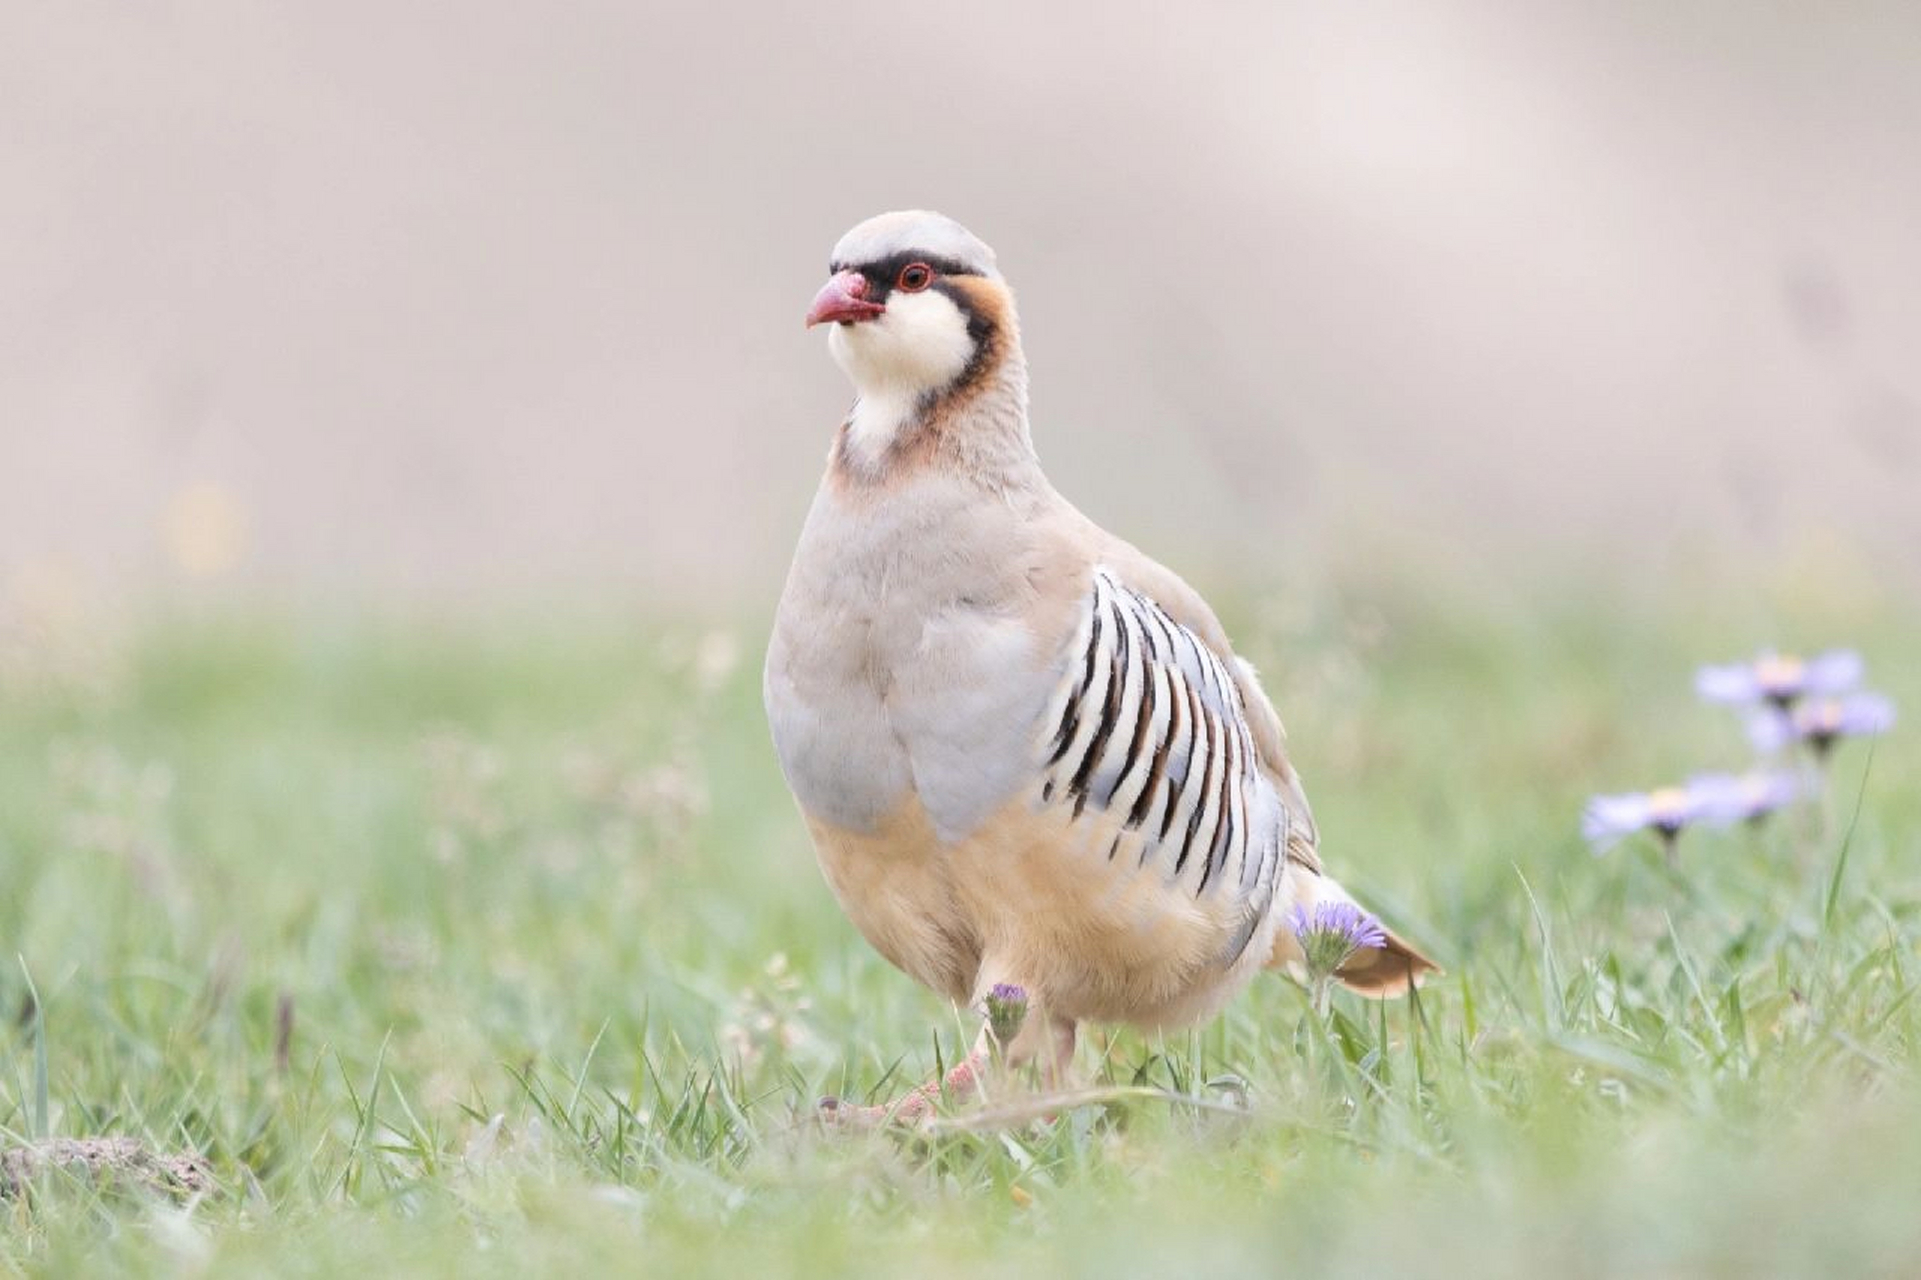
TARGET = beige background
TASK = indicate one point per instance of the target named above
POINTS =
(411, 300)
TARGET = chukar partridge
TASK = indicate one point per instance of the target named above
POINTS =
(1026, 752)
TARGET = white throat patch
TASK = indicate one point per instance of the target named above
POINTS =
(919, 346)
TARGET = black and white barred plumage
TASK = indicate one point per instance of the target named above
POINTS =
(1149, 729)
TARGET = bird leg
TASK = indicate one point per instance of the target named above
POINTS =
(961, 1083)
(1044, 1041)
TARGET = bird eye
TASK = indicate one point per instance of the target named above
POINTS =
(914, 277)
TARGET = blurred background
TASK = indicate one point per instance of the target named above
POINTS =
(381, 302)
(406, 420)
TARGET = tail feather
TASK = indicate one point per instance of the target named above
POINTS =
(1376, 972)
(1380, 973)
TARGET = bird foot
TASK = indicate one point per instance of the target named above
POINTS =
(914, 1108)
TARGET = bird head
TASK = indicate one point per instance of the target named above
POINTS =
(918, 311)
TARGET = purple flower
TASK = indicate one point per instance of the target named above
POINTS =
(1822, 722)
(1666, 811)
(1332, 932)
(1006, 1006)
(1780, 679)
(1748, 797)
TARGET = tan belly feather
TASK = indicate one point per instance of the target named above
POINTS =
(1033, 896)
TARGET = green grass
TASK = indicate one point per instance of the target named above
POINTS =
(564, 983)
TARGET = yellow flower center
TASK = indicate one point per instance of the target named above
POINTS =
(1669, 804)
(1821, 717)
(1779, 671)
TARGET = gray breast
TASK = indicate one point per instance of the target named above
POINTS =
(900, 665)
(841, 759)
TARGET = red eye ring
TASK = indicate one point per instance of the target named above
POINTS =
(914, 277)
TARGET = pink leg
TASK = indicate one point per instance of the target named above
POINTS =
(1050, 1048)
(1047, 1042)
(960, 1083)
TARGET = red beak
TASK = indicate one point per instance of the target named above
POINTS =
(843, 300)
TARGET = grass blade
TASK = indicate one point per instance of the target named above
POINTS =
(1847, 843)
(40, 1130)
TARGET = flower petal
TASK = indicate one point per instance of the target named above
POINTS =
(1608, 820)
(1770, 731)
(1718, 799)
(1836, 671)
(1864, 714)
(1733, 684)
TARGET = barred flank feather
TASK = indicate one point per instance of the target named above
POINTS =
(1149, 727)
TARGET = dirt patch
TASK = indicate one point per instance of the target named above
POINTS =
(104, 1160)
